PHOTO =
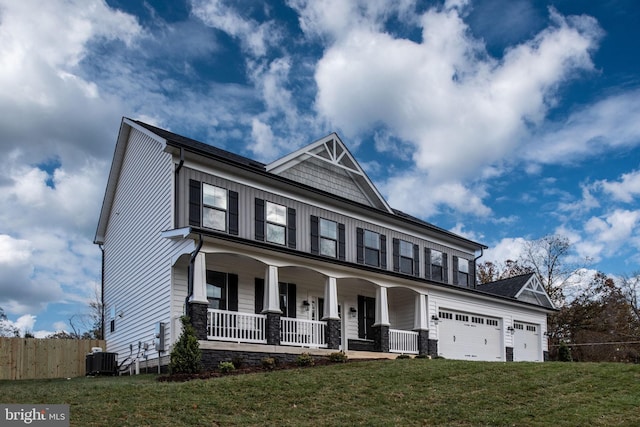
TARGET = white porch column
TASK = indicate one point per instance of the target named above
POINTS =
(382, 307)
(420, 322)
(199, 294)
(271, 293)
(330, 299)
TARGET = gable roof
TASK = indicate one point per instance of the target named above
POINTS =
(328, 165)
(526, 288)
(330, 149)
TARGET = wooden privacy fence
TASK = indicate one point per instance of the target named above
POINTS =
(33, 358)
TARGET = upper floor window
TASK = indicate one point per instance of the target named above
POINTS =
(214, 207)
(276, 223)
(463, 272)
(328, 237)
(437, 265)
(406, 257)
(371, 248)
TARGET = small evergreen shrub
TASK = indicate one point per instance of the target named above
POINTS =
(186, 356)
(269, 363)
(564, 352)
(338, 357)
(403, 356)
(305, 359)
(226, 367)
(422, 356)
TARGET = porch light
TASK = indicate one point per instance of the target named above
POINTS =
(305, 305)
(511, 330)
(435, 319)
(352, 311)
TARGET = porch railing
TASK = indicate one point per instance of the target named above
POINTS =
(405, 342)
(237, 327)
(302, 333)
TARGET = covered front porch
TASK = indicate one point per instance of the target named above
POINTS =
(244, 300)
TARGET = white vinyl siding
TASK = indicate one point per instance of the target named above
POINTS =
(137, 268)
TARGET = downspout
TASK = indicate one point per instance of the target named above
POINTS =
(475, 267)
(175, 188)
(102, 335)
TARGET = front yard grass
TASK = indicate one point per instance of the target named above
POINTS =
(374, 393)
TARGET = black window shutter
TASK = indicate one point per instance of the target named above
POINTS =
(445, 269)
(259, 295)
(360, 245)
(396, 254)
(259, 219)
(454, 270)
(194, 202)
(342, 248)
(416, 260)
(291, 300)
(291, 228)
(472, 274)
(315, 235)
(383, 251)
(233, 212)
(232, 292)
(427, 263)
(361, 325)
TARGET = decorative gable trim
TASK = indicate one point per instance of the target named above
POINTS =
(534, 286)
(332, 151)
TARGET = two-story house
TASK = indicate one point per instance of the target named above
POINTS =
(302, 254)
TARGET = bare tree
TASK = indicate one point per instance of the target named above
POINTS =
(490, 272)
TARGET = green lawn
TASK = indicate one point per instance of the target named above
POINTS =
(375, 393)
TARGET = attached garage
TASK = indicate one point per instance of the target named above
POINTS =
(468, 336)
(526, 342)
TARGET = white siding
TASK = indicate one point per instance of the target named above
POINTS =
(137, 280)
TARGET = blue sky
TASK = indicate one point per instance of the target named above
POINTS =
(502, 120)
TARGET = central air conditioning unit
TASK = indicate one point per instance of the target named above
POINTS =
(101, 363)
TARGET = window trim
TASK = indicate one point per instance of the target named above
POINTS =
(224, 210)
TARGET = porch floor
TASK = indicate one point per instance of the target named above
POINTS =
(283, 349)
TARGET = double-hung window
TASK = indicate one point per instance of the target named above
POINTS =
(437, 265)
(406, 257)
(276, 223)
(371, 248)
(222, 290)
(214, 207)
(463, 272)
(328, 238)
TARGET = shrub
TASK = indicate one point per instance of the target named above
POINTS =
(186, 355)
(403, 356)
(226, 367)
(338, 357)
(564, 352)
(422, 356)
(269, 363)
(238, 362)
(304, 359)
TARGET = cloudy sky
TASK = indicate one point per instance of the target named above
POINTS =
(502, 120)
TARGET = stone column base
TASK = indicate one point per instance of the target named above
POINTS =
(432, 348)
(272, 327)
(423, 341)
(381, 338)
(197, 313)
(509, 354)
(332, 333)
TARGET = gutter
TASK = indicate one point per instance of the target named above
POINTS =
(101, 246)
(175, 187)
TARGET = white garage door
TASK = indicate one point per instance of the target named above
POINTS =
(469, 336)
(526, 342)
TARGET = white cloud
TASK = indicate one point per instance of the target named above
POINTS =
(461, 110)
(509, 248)
(614, 229)
(626, 189)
